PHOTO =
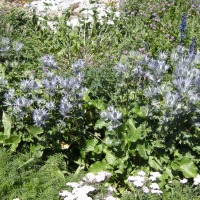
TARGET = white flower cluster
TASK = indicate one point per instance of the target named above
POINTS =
(92, 178)
(80, 190)
(197, 180)
(140, 180)
(184, 181)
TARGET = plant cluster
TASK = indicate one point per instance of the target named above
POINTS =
(113, 96)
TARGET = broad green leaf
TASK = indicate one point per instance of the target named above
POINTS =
(86, 96)
(138, 112)
(35, 130)
(187, 167)
(141, 150)
(174, 166)
(120, 164)
(98, 167)
(110, 157)
(13, 140)
(2, 138)
(7, 122)
(108, 141)
(169, 172)
(134, 133)
(100, 123)
(99, 104)
(153, 163)
(89, 145)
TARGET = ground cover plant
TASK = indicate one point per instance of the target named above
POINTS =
(105, 110)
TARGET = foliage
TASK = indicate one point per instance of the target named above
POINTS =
(118, 95)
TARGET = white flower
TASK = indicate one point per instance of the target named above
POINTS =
(138, 183)
(84, 198)
(170, 182)
(184, 181)
(81, 192)
(64, 193)
(111, 188)
(106, 174)
(136, 178)
(110, 198)
(90, 177)
(70, 197)
(154, 186)
(156, 192)
(156, 174)
(145, 189)
(16, 199)
(197, 180)
(152, 178)
(100, 178)
(196, 183)
(141, 173)
(73, 184)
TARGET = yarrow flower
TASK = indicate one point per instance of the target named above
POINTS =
(141, 173)
(184, 181)
(156, 174)
(156, 192)
(197, 180)
(145, 189)
(154, 186)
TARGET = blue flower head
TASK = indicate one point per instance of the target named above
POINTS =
(182, 26)
(193, 45)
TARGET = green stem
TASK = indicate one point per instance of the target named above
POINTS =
(127, 96)
(147, 117)
(161, 130)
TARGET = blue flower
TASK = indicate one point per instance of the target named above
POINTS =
(193, 45)
(39, 117)
(65, 106)
(182, 26)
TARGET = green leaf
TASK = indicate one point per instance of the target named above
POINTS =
(138, 112)
(110, 157)
(153, 163)
(7, 122)
(58, 174)
(100, 123)
(174, 166)
(86, 96)
(77, 46)
(99, 104)
(141, 150)
(134, 133)
(13, 140)
(98, 167)
(187, 167)
(169, 172)
(120, 164)
(2, 138)
(34, 130)
(89, 145)
(108, 141)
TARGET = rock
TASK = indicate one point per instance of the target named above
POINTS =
(75, 5)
